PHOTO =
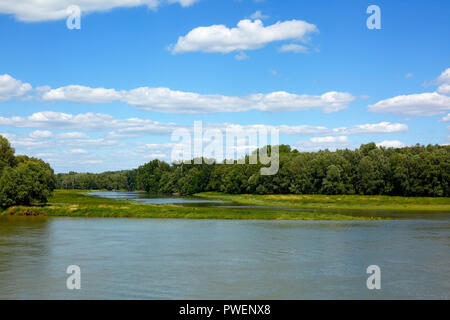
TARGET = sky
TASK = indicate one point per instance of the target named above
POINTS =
(109, 95)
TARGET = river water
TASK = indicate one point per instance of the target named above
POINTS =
(217, 259)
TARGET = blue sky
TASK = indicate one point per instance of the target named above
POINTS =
(69, 96)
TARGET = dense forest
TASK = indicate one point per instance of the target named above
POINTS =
(369, 170)
(23, 180)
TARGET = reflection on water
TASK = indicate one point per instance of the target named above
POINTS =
(214, 259)
(155, 198)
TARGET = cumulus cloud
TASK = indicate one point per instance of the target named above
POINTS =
(370, 128)
(173, 101)
(293, 47)
(446, 118)
(329, 139)
(391, 144)
(322, 143)
(162, 99)
(78, 151)
(52, 142)
(50, 10)
(73, 135)
(241, 56)
(12, 88)
(421, 104)
(247, 35)
(135, 127)
(444, 89)
(53, 139)
(258, 15)
(81, 94)
(338, 142)
(85, 122)
(445, 76)
(8, 136)
(381, 127)
(41, 134)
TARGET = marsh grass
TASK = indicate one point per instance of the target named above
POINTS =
(74, 203)
(338, 202)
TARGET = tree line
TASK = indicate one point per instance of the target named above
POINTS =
(369, 170)
(23, 180)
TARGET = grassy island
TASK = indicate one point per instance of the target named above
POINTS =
(78, 203)
(338, 202)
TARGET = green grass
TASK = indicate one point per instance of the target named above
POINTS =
(339, 202)
(68, 203)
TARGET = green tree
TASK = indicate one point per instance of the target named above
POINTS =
(332, 184)
(6, 154)
(29, 182)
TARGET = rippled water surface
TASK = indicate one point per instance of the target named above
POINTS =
(215, 259)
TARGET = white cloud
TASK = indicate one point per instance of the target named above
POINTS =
(50, 10)
(368, 128)
(444, 89)
(421, 104)
(24, 142)
(241, 56)
(391, 144)
(329, 139)
(409, 75)
(305, 130)
(338, 142)
(183, 3)
(8, 136)
(187, 102)
(85, 122)
(81, 94)
(75, 150)
(73, 135)
(38, 134)
(78, 151)
(135, 127)
(444, 77)
(11, 88)
(293, 47)
(248, 35)
(322, 143)
(91, 162)
(59, 120)
(166, 100)
(258, 15)
(172, 101)
(381, 127)
(446, 118)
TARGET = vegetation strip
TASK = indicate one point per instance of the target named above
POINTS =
(337, 202)
(418, 171)
(76, 203)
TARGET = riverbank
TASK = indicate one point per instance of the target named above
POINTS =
(338, 202)
(77, 203)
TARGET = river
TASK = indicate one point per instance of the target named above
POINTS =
(217, 259)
